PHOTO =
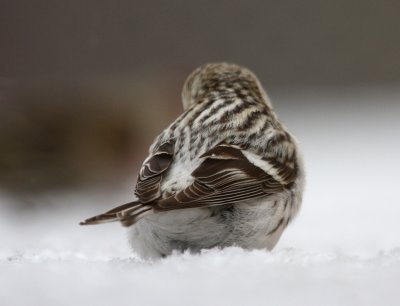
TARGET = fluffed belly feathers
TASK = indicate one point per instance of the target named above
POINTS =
(254, 224)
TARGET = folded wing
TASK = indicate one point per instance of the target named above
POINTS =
(227, 176)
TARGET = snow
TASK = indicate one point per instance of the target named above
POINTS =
(344, 248)
(227, 277)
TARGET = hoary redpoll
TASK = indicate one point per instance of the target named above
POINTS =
(225, 173)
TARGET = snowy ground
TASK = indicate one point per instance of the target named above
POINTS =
(344, 249)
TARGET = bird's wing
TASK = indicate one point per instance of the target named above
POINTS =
(229, 175)
(153, 168)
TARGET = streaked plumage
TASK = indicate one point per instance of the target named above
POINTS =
(226, 172)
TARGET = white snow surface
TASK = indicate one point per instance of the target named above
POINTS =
(343, 249)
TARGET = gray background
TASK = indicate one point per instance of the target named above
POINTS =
(289, 43)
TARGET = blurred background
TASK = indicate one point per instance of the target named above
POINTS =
(85, 86)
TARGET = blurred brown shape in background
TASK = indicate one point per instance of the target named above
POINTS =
(62, 135)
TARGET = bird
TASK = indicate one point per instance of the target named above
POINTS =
(225, 173)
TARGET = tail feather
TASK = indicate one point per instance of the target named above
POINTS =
(127, 214)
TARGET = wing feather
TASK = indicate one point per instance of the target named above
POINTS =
(226, 176)
(148, 187)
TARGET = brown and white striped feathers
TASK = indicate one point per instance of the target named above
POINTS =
(227, 147)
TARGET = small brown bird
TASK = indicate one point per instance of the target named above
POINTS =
(226, 172)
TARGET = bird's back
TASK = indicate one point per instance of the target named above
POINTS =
(231, 111)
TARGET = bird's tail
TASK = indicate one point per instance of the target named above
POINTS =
(127, 214)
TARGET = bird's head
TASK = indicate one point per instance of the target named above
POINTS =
(216, 79)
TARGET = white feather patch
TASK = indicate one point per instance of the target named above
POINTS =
(257, 161)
